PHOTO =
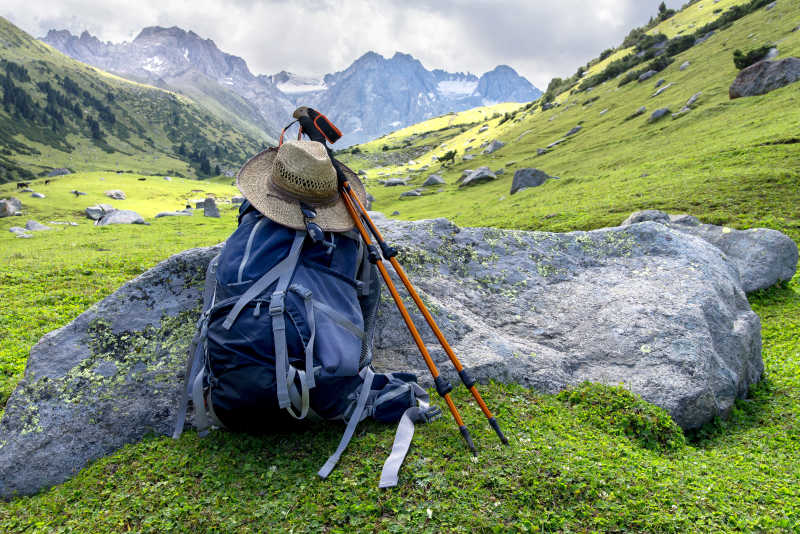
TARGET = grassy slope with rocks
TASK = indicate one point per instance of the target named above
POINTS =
(596, 459)
(139, 127)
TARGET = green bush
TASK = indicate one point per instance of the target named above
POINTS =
(742, 60)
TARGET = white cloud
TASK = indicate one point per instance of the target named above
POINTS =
(540, 39)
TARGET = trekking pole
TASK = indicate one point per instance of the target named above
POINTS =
(443, 387)
(390, 253)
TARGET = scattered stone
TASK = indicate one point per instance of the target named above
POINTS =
(33, 226)
(116, 194)
(479, 176)
(412, 193)
(494, 146)
(17, 230)
(525, 178)
(765, 76)
(362, 172)
(661, 90)
(483, 129)
(393, 182)
(37, 195)
(640, 111)
(66, 223)
(499, 172)
(685, 65)
(210, 208)
(693, 99)
(763, 257)
(770, 6)
(237, 200)
(434, 179)
(659, 82)
(772, 53)
(77, 193)
(168, 179)
(704, 38)
(468, 157)
(647, 75)
(120, 217)
(10, 207)
(58, 172)
(541, 151)
(395, 212)
(97, 212)
(370, 200)
(523, 134)
(604, 112)
(693, 352)
(26, 190)
(658, 114)
(574, 130)
(182, 213)
(555, 143)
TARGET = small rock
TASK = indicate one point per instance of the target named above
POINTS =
(483, 129)
(370, 200)
(693, 99)
(772, 53)
(210, 208)
(33, 226)
(479, 176)
(468, 157)
(120, 217)
(37, 195)
(603, 112)
(574, 130)
(10, 207)
(182, 213)
(525, 178)
(662, 89)
(494, 146)
(658, 114)
(167, 178)
(685, 65)
(647, 75)
(499, 172)
(541, 151)
(116, 194)
(26, 190)
(17, 230)
(412, 193)
(685, 219)
(393, 182)
(78, 193)
(58, 172)
(770, 6)
(237, 200)
(362, 172)
(434, 179)
(659, 82)
(640, 111)
(395, 212)
(555, 143)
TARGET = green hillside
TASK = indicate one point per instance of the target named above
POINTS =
(578, 462)
(725, 161)
(57, 112)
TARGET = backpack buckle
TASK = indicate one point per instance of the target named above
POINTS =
(431, 414)
(276, 303)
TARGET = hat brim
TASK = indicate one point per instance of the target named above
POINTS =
(255, 183)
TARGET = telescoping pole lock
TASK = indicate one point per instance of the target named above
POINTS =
(319, 128)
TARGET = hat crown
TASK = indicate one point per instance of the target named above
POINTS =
(303, 170)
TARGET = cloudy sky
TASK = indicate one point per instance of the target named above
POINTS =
(539, 38)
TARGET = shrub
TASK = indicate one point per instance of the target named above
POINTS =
(680, 44)
(742, 61)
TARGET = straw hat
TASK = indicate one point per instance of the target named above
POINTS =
(277, 179)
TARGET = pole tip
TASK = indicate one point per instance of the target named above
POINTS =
(468, 439)
(499, 432)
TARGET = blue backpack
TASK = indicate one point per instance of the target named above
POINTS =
(286, 333)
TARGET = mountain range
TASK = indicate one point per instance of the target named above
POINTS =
(371, 97)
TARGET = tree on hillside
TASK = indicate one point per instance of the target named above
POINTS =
(217, 170)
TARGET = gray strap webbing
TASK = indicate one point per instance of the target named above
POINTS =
(247, 249)
(277, 306)
(299, 401)
(339, 319)
(258, 287)
(351, 425)
(312, 326)
(402, 439)
(200, 417)
(194, 361)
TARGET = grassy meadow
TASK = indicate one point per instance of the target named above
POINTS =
(596, 459)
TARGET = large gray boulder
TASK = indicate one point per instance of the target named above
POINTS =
(96, 212)
(120, 217)
(658, 310)
(479, 176)
(762, 256)
(10, 207)
(210, 208)
(525, 178)
(765, 76)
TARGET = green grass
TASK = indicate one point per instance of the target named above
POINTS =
(596, 459)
